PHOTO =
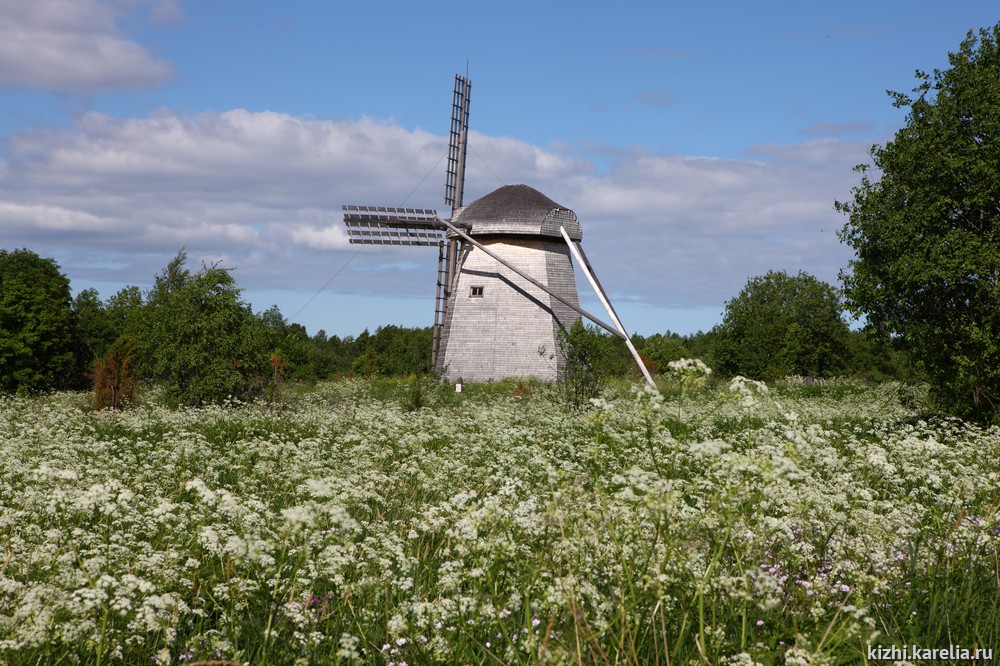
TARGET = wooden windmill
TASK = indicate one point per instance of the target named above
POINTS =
(505, 283)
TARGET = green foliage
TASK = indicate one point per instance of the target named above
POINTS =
(97, 330)
(926, 229)
(115, 379)
(783, 325)
(367, 365)
(580, 349)
(662, 349)
(878, 359)
(38, 333)
(199, 339)
(702, 345)
(101, 323)
(124, 310)
(329, 357)
(416, 395)
(392, 352)
(291, 343)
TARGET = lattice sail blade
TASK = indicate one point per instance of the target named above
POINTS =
(457, 142)
(385, 225)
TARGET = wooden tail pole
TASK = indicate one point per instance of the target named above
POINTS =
(585, 266)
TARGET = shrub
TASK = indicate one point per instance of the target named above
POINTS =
(783, 325)
(200, 340)
(579, 381)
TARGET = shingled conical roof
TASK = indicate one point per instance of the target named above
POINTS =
(518, 210)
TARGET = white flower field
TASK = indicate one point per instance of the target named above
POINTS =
(380, 522)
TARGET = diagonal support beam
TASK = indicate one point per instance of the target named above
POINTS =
(588, 271)
(469, 239)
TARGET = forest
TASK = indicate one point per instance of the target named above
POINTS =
(194, 335)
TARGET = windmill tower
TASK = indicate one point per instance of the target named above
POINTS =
(498, 324)
(505, 282)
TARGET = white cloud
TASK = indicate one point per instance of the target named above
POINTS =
(323, 231)
(44, 218)
(263, 191)
(74, 46)
(683, 231)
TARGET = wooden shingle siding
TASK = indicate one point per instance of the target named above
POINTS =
(500, 334)
(511, 327)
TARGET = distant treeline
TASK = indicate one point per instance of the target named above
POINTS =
(194, 336)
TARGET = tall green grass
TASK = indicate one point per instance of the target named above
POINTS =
(385, 522)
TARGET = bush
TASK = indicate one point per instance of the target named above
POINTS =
(200, 340)
(662, 349)
(580, 381)
(783, 325)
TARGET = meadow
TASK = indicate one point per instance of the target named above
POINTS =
(395, 522)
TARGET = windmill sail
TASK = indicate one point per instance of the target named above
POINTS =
(457, 142)
(384, 225)
(454, 187)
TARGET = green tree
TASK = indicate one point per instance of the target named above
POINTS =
(290, 342)
(102, 323)
(580, 348)
(403, 351)
(199, 339)
(393, 351)
(39, 337)
(97, 331)
(329, 355)
(879, 359)
(701, 345)
(926, 229)
(367, 364)
(124, 310)
(662, 349)
(783, 325)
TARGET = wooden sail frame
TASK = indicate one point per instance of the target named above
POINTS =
(386, 225)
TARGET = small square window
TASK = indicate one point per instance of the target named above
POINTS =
(477, 292)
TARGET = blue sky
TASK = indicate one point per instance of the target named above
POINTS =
(700, 144)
